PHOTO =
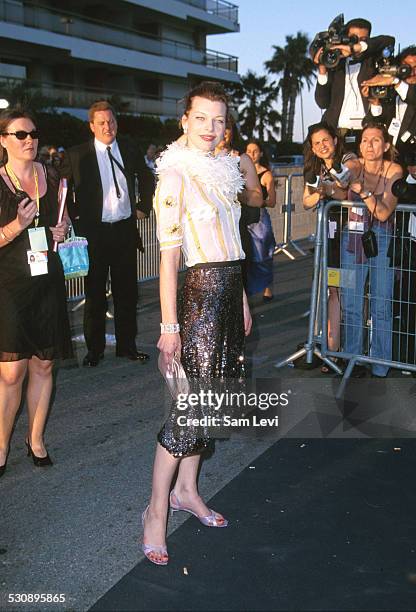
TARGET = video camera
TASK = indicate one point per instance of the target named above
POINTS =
(405, 189)
(334, 35)
(388, 65)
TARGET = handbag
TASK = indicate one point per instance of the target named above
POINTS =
(174, 376)
(369, 239)
(74, 256)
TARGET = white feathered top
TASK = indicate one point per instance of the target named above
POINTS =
(196, 204)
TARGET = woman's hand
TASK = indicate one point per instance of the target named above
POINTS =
(169, 345)
(356, 186)
(247, 316)
(59, 231)
(26, 212)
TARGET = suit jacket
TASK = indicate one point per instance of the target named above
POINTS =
(389, 112)
(331, 95)
(80, 167)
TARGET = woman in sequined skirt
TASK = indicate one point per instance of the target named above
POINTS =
(198, 211)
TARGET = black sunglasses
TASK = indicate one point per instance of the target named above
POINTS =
(22, 134)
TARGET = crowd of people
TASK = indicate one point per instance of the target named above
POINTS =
(364, 145)
(210, 199)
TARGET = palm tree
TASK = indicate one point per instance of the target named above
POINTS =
(254, 98)
(296, 68)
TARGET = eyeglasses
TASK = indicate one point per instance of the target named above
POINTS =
(22, 134)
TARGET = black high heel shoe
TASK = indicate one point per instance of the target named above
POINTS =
(3, 467)
(38, 461)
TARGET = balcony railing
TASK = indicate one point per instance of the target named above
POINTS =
(72, 24)
(76, 96)
(223, 9)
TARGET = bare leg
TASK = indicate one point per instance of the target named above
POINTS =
(38, 396)
(186, 487)
(12, 374)
(155, 523)
(334, 319)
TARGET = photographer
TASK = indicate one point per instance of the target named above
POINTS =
(327, 172)
(402, 254)
(398, 112)
(338, 89)
(360, 260)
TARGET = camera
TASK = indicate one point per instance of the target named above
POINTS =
(20, 195)
(388, 65)
(405, 189)
(334, 35)
(341, 174)
(312, 180)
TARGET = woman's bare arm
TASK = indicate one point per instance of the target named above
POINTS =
(268, 181)
(169, 344)
(252, 194)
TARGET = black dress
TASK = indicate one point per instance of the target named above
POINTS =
(33, 313)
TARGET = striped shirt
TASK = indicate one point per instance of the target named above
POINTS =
(198, 217)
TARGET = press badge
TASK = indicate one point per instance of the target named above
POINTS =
(38, 262)
(332, 228)
(394, 128)
(356, 226)
(37, 239)
(356, 122)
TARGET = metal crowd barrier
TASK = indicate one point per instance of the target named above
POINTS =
(287, 208)
(147, 262)
(377, 294)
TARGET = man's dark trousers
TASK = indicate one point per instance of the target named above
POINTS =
(113, 246)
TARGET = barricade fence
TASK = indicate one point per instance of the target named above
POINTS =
(147, 262)
(368, 303)
(282, 221)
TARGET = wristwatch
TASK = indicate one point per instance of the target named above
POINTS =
(364, 195)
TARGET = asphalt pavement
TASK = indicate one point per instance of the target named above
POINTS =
(71, 533)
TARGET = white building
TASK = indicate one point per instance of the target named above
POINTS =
(146, 52)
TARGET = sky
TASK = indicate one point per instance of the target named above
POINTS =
(264, 23)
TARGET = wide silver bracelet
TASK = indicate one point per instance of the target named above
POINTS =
(169, 328)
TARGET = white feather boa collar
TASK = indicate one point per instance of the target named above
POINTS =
(221, 172)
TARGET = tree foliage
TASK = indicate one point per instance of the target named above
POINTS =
(254, 99)
(295, 69)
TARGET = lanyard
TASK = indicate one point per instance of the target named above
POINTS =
(18, 185)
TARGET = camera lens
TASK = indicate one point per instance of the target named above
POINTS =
(331, 57)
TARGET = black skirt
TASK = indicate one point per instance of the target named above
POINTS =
(212, 335)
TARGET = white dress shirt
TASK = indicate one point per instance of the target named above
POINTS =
(114, 208)
(352, 110)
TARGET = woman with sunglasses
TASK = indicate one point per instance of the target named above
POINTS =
(34, 328)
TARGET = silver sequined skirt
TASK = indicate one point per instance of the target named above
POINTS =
(212, 335)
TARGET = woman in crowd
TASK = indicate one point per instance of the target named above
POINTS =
(260, 267)
(34, 328)
(323, 152)
(197, 209)
(251, 198)
(372, 185)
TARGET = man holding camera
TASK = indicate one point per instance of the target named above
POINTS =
(338, 88)
(398, 112)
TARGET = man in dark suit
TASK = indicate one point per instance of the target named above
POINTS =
(399, 114)
(338, 91)
(104, 175)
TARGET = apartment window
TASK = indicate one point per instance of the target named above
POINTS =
(14, 71)
(149, 88)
